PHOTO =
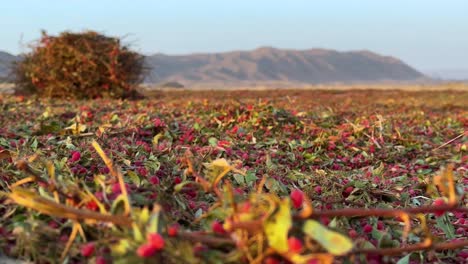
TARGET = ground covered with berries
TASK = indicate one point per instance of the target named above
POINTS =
(334, 149)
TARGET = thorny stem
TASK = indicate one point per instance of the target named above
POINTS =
(206, 238)
(348, 212)
(35, 177)
(412, 248)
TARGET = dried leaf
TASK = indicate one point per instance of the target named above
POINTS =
(334, 242)
(277, 226)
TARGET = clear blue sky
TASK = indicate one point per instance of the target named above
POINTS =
(427, 34)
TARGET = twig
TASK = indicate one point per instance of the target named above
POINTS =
(348, 212)
(206, 238)
(412, 248)
(450, 141)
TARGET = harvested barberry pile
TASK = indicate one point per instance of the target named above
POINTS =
(236, 177)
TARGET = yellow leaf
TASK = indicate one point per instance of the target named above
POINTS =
(220, 163)
(144, 215)
(277, 226)
(76, 128)
(217, 170)
(43, 205)
(156, 139)
(121, 247)
(334, 242)
(322, 258)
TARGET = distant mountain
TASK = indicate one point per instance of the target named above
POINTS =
(271, 64)
(6, 60)
(268, 64)
(449, 74)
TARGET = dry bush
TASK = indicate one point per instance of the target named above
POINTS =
(79, 65)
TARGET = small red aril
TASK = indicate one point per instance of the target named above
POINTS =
(297, 198)
(155, 240)
(367, 228)
(173, 230)
(348, 191)
(146, 250)
(177, 180)
(75, 156)
(271, 260)
(295, 245)
(101, 260)
(87, 250)
(154, 180)
(318, 190)
(218, 228)
(352, 234)
(439, 202)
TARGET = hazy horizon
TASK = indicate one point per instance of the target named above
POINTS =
(428, 35)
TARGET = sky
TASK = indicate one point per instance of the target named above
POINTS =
(426, 34)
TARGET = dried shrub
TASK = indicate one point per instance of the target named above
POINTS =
(79, 65)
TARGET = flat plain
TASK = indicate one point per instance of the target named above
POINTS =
(182, 154)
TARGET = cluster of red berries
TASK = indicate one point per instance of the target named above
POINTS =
(154, 243)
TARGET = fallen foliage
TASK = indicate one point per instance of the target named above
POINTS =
(238, 177)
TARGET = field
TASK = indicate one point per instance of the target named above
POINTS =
(282, 176)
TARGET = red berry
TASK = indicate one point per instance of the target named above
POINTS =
(348, 191)
(146, 250)
(463, 254)
(352, 234)
(271, 260)
(439, 202)
(218, 228)
(154, 180)
(297, 198)
(116, 188)
(295, 245)
(461, 231)
(101, 260)
(155, 240)
(173, 230)
(192, 204)
(177, 180)
(245, 207)
(325, 220)
(92, 205)
(51, 223)
(318, 189)
(380, 225)
(87, 249)
(76, 156)
(367, 228)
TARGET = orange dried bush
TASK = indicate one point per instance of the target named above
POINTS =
(81, 66)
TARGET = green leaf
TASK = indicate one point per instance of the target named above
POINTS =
(277, 227)
(405, 259)
(334, 242)
(118, 206)
(34, 144)
(154, 225)
(137, 235)
(213, 141)
(134, 178)
(444, 224)
(240, 179)
(250, 177)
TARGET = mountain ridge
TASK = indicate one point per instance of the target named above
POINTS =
(269, 64)
(272, 64)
